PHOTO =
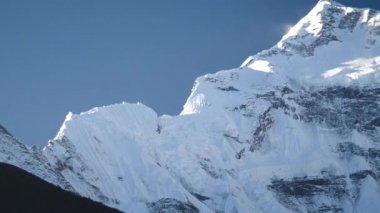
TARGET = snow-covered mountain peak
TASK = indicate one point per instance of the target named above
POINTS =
(324, 13)
(328, 21)
(343, 41)
(295, 129)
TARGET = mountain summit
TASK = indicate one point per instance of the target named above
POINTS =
(294, 129)
(332, 45)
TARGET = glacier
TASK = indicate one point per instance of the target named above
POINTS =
(295, 128)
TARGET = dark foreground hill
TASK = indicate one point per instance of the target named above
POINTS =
(22, 192)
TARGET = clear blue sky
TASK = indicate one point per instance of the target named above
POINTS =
(58, 56)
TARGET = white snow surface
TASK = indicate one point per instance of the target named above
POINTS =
(126, 156)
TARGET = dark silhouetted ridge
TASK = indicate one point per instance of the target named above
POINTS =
(21, 191)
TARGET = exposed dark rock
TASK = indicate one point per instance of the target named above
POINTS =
(373, 124)
(286, 90)
(350, 148)
(265, 123)
(62, 165)
(170, 205)
(4, 131)
(311, 186)
(303, 192)
(357, 179)
(234, 138)
(277, 100)
(229, 88)
(212, 80)
(210, 169)
(159, 129)
(324, 37)
(371, 155)
(240, 154)
(358, 176)
(332, 208)
(200, 197)
(343, 109)
(350, 20)
(374, 160)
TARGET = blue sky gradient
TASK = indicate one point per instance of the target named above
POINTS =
(58, 56)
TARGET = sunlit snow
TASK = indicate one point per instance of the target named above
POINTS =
(126, 156)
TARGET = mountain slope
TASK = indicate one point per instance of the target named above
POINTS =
(14, 152)
(294, 129)
(23, 192)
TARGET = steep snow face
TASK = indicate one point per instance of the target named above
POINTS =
(14, 152)
(107, 155)
(295, 129)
